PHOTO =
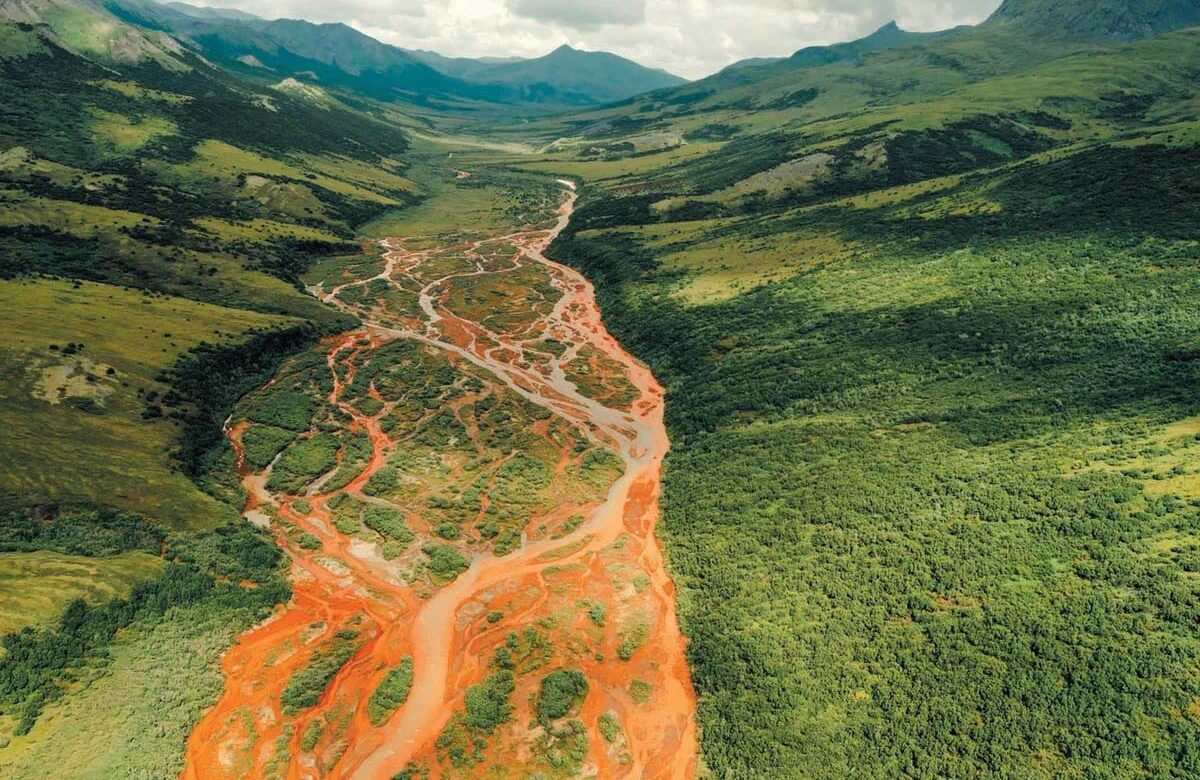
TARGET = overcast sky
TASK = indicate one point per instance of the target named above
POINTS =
(689, 37)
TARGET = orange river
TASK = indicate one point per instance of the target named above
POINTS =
(442, 628)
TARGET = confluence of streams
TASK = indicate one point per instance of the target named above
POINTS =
(565, 572)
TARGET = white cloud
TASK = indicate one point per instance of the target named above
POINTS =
(580, 14)
(690, 37)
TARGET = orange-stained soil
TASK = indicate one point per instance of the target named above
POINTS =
(451, 631)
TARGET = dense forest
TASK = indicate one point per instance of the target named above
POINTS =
(918, 503)
(931, 501)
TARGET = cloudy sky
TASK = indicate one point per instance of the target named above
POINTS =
(689, 37)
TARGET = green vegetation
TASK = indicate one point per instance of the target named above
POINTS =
(445, 561)
(35, 587)
(129, 716)
(39, 662)
(114, 395)
(610, 727)
(356, 452)
(304, 688)
(387, 522)
(284, 408)
(312, 735)
(597, 612)
(303, 462)
(308, 541)
(155, 216)
(262, 443)
(391, 693)
(634, 633)
(487, 703)
(561, 692)
(88, 423)
(925, 310)
(77, 530)
(927, 339)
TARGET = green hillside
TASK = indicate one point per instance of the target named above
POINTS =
(1097, 20)
(928, 329)
(155, 216)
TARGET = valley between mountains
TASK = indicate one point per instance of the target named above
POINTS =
(483, 418)
(372, 413)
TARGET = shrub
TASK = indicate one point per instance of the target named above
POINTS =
(391, 693)
(487, 703)
(561, 691)
(445, 561)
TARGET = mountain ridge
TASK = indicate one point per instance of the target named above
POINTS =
(339, 55)
(1120, 21)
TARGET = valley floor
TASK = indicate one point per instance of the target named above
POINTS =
(467, 489)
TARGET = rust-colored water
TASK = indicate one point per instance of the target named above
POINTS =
(613, 558)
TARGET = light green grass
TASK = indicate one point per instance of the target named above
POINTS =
(609, 169)
(134, 90)
(35, 586)
(116, 133)
(222, 161)
(77, 219)
(17, 44)
(448, 206)
(130, 721)
(261, 230)
(78, 448)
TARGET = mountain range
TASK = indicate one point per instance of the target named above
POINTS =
(335, 56)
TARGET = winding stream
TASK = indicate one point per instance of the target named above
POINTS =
(442, 628)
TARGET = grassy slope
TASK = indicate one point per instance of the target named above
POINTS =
(231, 193)
(931, 502)
(35, 586)
(160, 217)
(89, 441)
(131, 717)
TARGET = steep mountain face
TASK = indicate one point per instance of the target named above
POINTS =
(332, 55)
(751, 62)
(886, 38)
(467, 68)
(1097, 20)
(873, 67)
(889, 66)
(889, 36)
(88, 28)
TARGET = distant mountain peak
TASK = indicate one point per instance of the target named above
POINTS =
(210, 12)
(1097, 20)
